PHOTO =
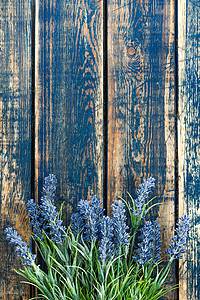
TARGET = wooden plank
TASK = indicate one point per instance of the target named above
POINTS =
(189, 146)
(69, 104)
(15, 137)
(141, 105)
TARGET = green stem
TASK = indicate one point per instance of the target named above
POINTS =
(118, 260)
(165, 273)
(132, 246)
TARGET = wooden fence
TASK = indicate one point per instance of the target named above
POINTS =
(101, 94)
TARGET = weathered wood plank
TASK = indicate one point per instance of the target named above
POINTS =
(15, 137)
(69, 104)
(141, 105)
(189, 146)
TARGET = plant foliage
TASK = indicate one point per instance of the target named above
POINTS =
(97, 256)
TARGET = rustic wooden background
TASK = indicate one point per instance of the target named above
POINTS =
(102, 94)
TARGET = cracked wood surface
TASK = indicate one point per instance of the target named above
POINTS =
(189, 146)
(141, 104)
(69, 100)
(15, 138)
(69, 113)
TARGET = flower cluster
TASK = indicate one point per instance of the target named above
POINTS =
(22, 248)
(176, 248)
(45, 216)
(87, 219)
(110, 232)
(140, 201)
(100, 262)
(35, 216)
(106, 245)
(149, 248)
(119, 223)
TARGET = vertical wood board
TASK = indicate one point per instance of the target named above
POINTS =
(189, 143)
(69, 104)
(69, 114)
(15, 137)
(141, 105)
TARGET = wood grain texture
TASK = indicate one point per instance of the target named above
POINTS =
(69, 104)
(189, 146)
(15, 138)
(141, 106)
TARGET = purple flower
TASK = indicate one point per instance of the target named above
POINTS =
(45, 216)
(149, 248)
(49, 188)
(176, 248)
(77, 224)
(87, 219)
(106, 246)
(36, 217)
(120, 228)
(140, 201)
(22, 248)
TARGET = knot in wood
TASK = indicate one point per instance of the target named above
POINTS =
(131, 51)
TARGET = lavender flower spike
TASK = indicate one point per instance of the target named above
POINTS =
(35, 216)
(119, 223)
(24, 252)
(87, 219)
(106, 246)
(49, 213)
(140, 201)
(45, 216)
(77, 224)
(176, 248)
(149, 248)
(49, 188)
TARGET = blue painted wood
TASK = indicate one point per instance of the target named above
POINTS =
(141, 104)
(69, 102)
(69, 113)
(189, 142)
(15, 137)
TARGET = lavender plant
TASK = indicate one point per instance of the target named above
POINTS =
(139, 204)
(106, 244)
(45, 216)
(119, 224)
(176, 248)
(149, 248)
(24, 252)
(97, 256)
(87, 219)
